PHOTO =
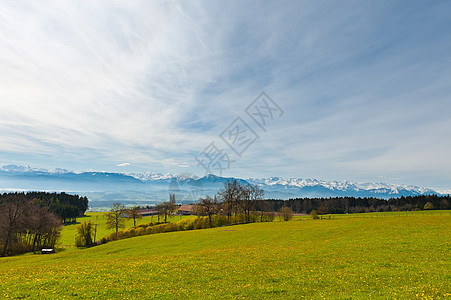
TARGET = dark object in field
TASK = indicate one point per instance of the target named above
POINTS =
(47, 251)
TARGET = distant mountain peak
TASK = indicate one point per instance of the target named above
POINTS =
(28, 169)
(341, 186)
(156, 186)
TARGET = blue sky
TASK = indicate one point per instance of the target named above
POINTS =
(147, 85)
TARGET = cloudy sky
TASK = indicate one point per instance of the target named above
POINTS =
(126, 86)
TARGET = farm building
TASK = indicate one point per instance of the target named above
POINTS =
(185, 209)
(148, 212)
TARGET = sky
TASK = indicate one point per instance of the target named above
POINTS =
(353, 90)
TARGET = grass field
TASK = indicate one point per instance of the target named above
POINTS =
(394, 257)
(68, 232)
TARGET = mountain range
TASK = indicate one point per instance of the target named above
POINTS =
(104, 188)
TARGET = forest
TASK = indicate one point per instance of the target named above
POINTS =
(32, 221)
(341, 205)
(67, 207)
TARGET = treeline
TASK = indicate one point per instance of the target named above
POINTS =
(340, 205)
(32, 221)
(201, 222)
(233, 199)
(235, 203)
(67, 207)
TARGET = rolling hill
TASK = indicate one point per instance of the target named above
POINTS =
(357, 257)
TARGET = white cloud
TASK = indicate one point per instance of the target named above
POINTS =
(364, 87)
(123, 164)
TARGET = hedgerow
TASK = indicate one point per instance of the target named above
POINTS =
(182, 225)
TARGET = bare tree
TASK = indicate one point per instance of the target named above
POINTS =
(51, 231)
(322, 208)
(115, 219)
(286, 213)
(160, 210)
(250, 194)
(230, 194)
(25, 225)
(43, 225)
(207, 207)
(12, 218)
(264, 207)
(167, 209)
(236, 197)
(134, 213)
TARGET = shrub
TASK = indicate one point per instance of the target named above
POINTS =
(254, 217)
(269, 216)
(141, 231)
(429, 205)
(220, 220)
(190, 225)
(286, 213)
(184, 224)
(169, 227)
(144, 225)
(241, 218)
(157, 228)
(85, 234)
(121, 235)
(201, 223)
(113, 236)
(131, 232)
(314, 215)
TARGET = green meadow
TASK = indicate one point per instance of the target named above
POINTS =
(382, 257)
(68, 233)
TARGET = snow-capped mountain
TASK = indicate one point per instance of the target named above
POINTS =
(28, 169)
(103, 188)
(148, 176)
(340, 186)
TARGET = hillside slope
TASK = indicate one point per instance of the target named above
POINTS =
(391, 257)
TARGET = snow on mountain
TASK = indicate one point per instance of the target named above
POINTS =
(148, 185)
(28, 169)
(377, 188)
(148, 176)
(444, 191)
